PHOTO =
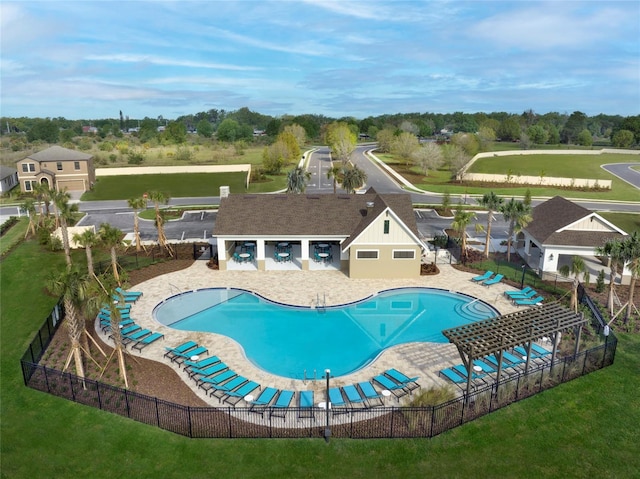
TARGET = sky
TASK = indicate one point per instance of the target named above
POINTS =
(92, 59)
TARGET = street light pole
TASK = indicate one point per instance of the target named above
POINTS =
(524, 268)
(327, 406)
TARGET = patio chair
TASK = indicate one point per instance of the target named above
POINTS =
(529, 302)
(496, 279)
(280, 407)
(189, 365)
(453, 376)
(215, 380)
(486, 368)
(535, 353)
(407, 382)
(462, 371)
(492, 360)
(520, 292)
(129, 294)
(484, 277)
(219, 390)
(514, 360)
(337, 403)
(106, 325)
(198, 373)
(259, 404)
(128, 330)
(540, 350)
(144, 342)
(134, 337)
(353, 396)
(397, 389)
(306, 408)
(237, 395)
(370, 394)
(182, 348)
(180, 358)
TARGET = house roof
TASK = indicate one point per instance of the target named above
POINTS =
(308, 215)
(7, 171)
(58, 153)
(551, 217)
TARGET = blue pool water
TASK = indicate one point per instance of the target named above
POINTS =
(289, 340)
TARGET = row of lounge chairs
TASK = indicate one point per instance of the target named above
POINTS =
(138, 337)
(524, 297)
(487, 279)
(489, 364)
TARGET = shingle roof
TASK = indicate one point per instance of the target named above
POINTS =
(306, 215)
(555, 214)
(6, 171)
(58, 153)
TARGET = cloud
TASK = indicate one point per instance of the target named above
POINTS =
(164, 61)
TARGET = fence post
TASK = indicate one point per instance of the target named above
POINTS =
(391, 428)
(46, 380)
(157, 413)
(126, 401)
(98, 394)
(73, 394)
(189, 416)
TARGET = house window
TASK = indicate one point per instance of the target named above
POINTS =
(386, 227)
(28, 167)
(59, 165)
(367, 254)
(28, 185)
(76, 165)
(404, 254)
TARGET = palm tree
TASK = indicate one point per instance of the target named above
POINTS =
(72, 286)
(353, 178)
(518, 215)
(492, 203)
(158, 197)
(88, 239)
(631, 255)
(43, 195)
(576, 269)
(296, 180)
(29, 206)
(461, 220)
(65, 213)
(111, 238)
(612, 249)
(137, 204)
(333, 174)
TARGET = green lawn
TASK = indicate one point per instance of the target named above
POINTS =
(586, 428)
(628, 222)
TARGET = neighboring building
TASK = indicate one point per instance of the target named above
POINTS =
(89, 129)
(369, 236)
(560, 227)
(8, 178)
(58, 167)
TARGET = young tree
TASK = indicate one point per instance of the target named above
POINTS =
(43, 195)
(492, 203)
(631, 256)
(29, 207)
(428, 157)
(622, 139)
(342, 140)
(204, 128)
(158, 197)
(334, 174)
(296, 179)
(298, 132)
(446, 202)
(353, 178)
(518, 215)
(461, 220)
(65, 212)
(577, 268)
(137, 204)
(111, 238)
(455, 158)
(404, 145)
(612, 249)
(88, 239)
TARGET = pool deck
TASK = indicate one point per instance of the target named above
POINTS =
(303, 288)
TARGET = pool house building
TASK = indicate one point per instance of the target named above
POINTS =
(368, 236)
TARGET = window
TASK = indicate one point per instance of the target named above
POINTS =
(386, 227)
(28, 167)
(59, 165)
(28, 185)
(404, 254)
(367, 254)
(76, 165)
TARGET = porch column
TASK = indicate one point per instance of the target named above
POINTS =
(304, 254)
(222, 254)
(260, 254)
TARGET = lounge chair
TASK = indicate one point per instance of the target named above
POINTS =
(237, 395)
(370, 394)
(106, 325)
(144, 342)
(280, 407)
(182, 348)
(520, 292)
(528, 295)
(529, 302)
(484, 367)
(306, 406)
(453, 376)
(540, 350)
(407, 382)
(353, 396)
(182, 357)
(201, 364)
(397, 389)
(496, 279)
(132, 328)
(215, 380)
(135, 337)
(259, 404)
(514, 360)
(462, 371)
(484, 277)
(536, 351)
(337, 403)
(131, 294)
(198, 373)
(491, 359)
(219, 390)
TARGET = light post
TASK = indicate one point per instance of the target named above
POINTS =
(327, 406)
(524, 268)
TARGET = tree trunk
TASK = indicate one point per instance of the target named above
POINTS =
(136, 230)
(114, 265)
(75, 331)
(486, 245)
(630, 306)
(89, 261)
(65, 242)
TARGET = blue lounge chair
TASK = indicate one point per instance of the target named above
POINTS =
(540, 350)
(219, 390)
(520, 292)
(397, 389)
(462, 371)
(280, 407)
(514, 360)
(370, 394)
(128, 330)
(353, 396)
(132, 294)
(407, 382)
(106, 325)
(528, 295)
(198, 373)
(144, 342)
(484, 277)
(484, 367)
(491, 359)
(259, 404)
(536, 351)
(529, 302)
(338, 404)
(235, 396)
(182, 348)
(452, 376)
(306, 405)
(201, 364)
(182, 357)
(135, 337)
(496, 279)
(215, 380)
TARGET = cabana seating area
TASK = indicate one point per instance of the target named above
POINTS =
(217, 379)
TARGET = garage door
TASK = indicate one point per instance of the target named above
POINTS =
(71, 185)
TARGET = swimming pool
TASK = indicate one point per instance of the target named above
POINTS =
(294, 341)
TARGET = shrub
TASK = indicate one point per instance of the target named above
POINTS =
(600, 282)
(135, 158)
(184, 154)
(432, 396)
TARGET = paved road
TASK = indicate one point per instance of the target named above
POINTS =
(625, 172)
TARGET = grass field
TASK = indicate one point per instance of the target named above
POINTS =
(626, 221)
(586, 428)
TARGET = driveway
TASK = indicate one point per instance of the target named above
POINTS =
(625, 172)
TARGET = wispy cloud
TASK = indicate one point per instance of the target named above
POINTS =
(165, 61)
